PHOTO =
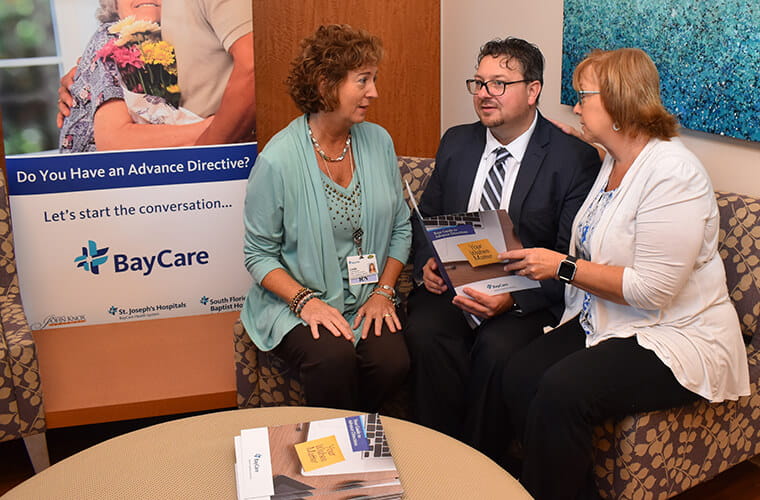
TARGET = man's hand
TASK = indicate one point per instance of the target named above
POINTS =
(65, 99)
(432, 280)
(484, 305)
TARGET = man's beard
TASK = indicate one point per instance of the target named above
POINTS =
(491, 122)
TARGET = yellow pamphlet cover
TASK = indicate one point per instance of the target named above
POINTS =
(480, 252)
(319, 453)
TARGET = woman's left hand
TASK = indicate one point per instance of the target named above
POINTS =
(535, 263)
(379, 310)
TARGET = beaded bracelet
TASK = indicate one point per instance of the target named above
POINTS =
(384, 294)
(298, 297)
(302, 301)
(300, 306)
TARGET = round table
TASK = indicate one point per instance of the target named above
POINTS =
(194, 458)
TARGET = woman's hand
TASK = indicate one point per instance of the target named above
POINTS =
(570, 130)
(535, 263)
(317, 312)
(379, 310)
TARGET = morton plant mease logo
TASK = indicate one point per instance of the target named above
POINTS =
(93, 259)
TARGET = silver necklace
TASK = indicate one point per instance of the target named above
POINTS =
(321, 152)
(350, 162)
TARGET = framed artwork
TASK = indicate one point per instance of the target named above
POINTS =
(707, 53)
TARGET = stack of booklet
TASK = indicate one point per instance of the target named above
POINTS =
(339, 458)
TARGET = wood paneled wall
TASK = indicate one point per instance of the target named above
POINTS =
(409, 77)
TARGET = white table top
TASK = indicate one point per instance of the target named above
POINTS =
(194, 458)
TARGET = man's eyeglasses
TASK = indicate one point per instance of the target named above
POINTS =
(495, 88)
(584, 93)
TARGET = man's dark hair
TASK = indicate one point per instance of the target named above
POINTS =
(528, 55)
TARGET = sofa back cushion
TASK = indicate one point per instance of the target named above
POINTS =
(739, 247)
(416, 171)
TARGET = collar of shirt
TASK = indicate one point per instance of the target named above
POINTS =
(516, 149)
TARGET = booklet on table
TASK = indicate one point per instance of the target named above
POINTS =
(338, 458)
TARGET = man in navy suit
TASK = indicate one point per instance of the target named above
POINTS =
(460, 346)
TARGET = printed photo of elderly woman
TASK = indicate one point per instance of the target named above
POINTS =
(126, 91)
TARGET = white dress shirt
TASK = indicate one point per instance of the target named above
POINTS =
(516, 150)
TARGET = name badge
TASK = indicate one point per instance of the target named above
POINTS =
(362, 269)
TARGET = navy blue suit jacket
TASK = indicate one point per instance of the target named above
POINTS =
(555, 176)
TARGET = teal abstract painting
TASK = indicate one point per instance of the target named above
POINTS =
(707, 53)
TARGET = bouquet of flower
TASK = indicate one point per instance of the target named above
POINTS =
(147, 70)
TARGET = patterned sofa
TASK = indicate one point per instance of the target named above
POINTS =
(21, 411)
(653, 455)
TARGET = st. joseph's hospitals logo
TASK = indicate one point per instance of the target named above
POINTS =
(92, 257)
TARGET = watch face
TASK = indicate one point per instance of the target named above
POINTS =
(566, 271)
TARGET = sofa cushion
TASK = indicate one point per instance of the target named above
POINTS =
(739, 247)
(416, 172)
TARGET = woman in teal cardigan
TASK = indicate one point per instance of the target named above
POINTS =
(324, 205)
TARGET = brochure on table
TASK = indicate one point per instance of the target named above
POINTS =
(338, 458)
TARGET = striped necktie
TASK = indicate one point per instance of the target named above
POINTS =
(494, 185)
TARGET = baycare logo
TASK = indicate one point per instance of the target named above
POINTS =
(93, 258)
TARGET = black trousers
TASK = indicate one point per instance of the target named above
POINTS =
(557, 390)
(337, 374)
(456, 371)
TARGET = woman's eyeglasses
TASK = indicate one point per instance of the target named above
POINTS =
(583, 93)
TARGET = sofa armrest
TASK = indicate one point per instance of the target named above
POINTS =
(23, 364)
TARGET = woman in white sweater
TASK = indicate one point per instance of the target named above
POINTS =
(648, 323)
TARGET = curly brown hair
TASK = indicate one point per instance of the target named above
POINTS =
(326, 58)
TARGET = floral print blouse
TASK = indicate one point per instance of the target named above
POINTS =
(585, 229)
(95, 83)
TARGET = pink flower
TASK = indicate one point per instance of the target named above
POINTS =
(128, 56)
(106, 51)
(124, 57)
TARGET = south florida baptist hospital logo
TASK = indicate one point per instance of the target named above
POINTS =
(92, 257)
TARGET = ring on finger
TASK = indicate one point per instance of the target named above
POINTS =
(387, 315)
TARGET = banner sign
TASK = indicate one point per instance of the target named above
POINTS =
(123, 236)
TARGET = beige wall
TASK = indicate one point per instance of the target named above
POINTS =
(733, 165)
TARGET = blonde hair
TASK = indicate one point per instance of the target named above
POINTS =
(629, 87)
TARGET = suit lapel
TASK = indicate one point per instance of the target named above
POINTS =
(531, 164)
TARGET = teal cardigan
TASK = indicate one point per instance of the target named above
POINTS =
(287, 224)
